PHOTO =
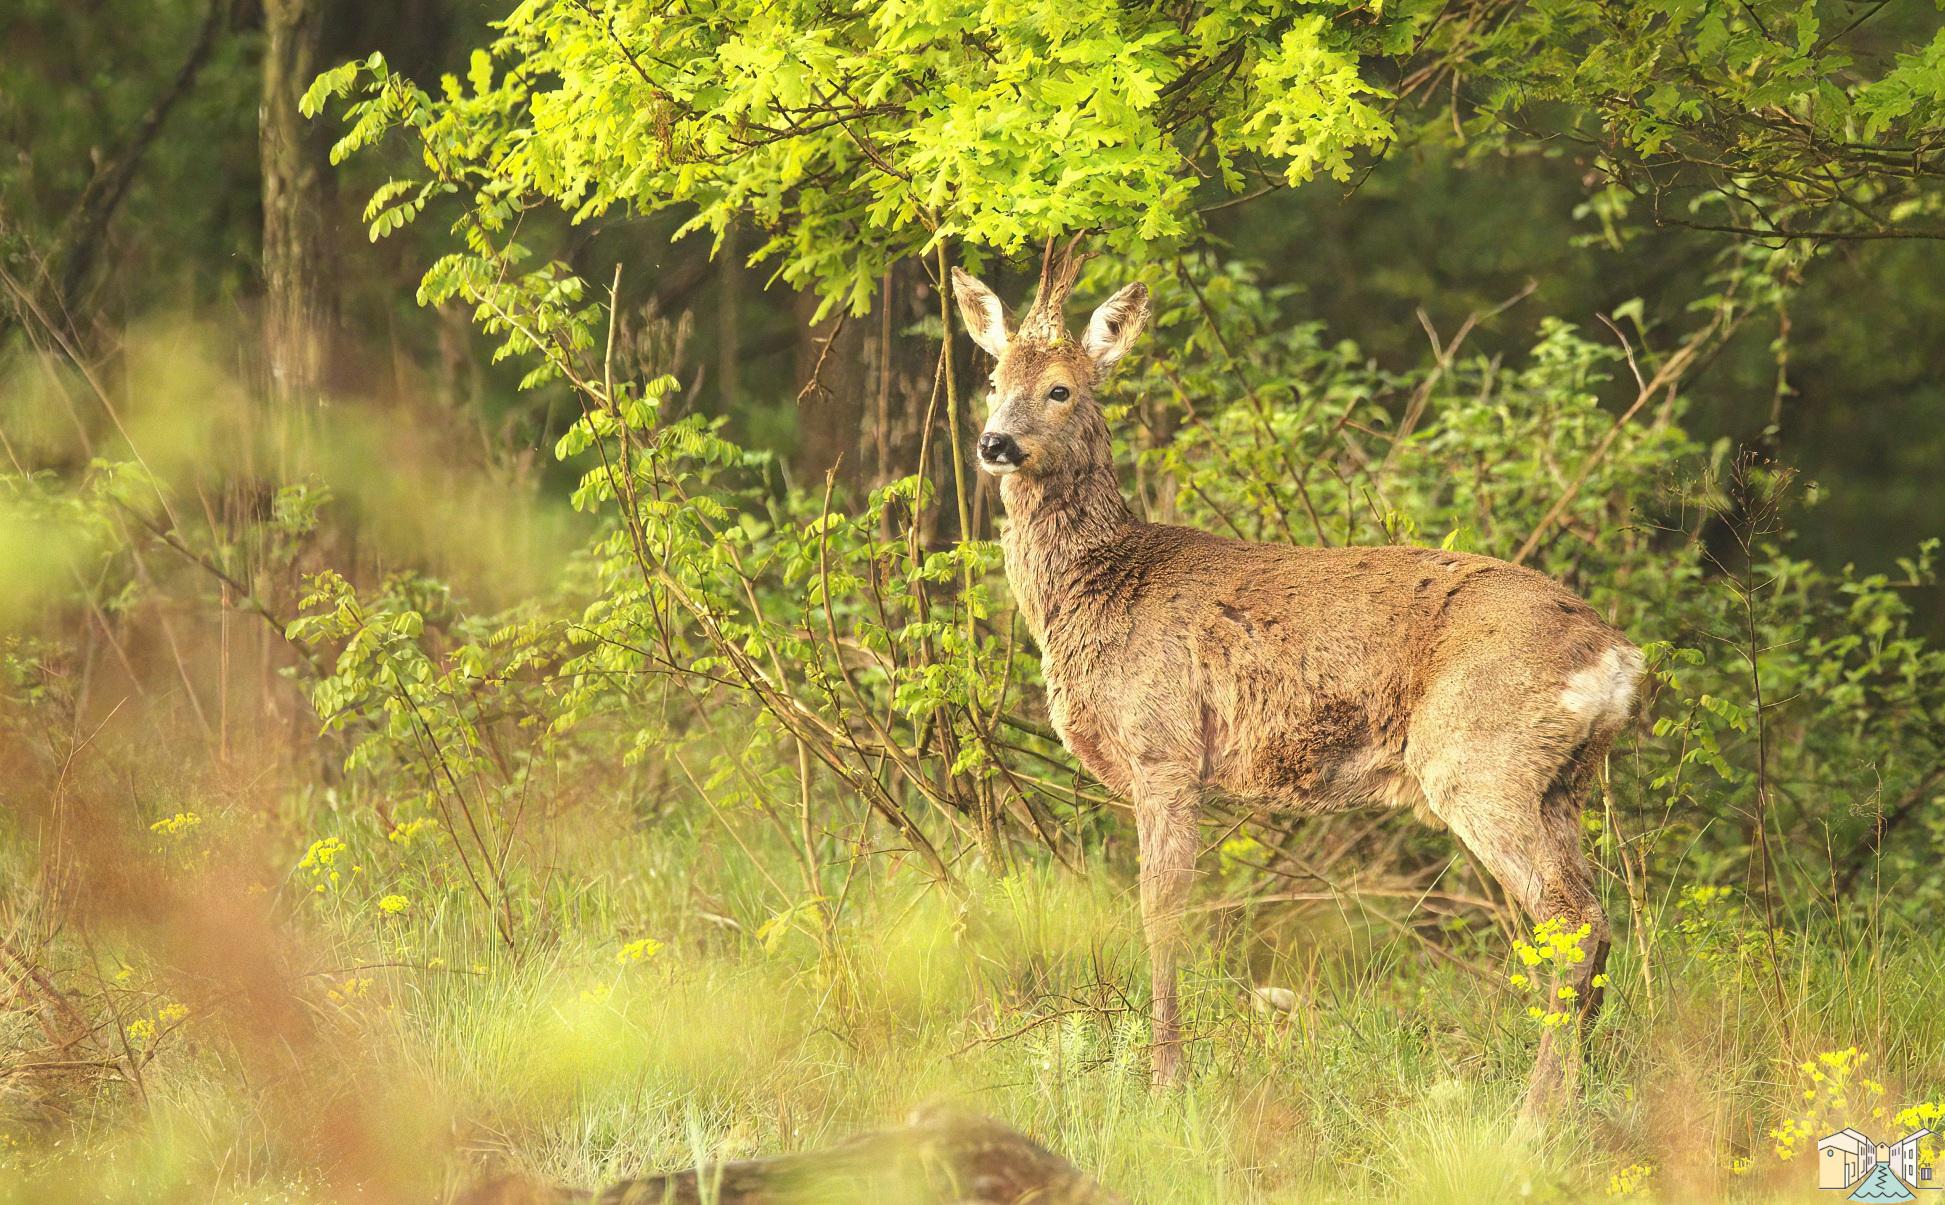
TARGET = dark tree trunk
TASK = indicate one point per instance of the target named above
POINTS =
(904, 364)
(729, 321)
(300, 286)
(832, 394)
(870, 400)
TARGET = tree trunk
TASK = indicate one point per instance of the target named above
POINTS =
(868, 404)
(300, 288)
(904, 364)
(729, 321)
(831, 397)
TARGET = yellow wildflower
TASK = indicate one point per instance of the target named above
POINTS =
(638, 951)
(353, 988)
(322, 853)
(406, 832)
(176, 825)
(1628, 1181)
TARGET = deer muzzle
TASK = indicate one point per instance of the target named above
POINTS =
(1000, 454)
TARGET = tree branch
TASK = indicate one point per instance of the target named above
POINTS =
(83, 232)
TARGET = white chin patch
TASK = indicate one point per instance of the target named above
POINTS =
(997, 469)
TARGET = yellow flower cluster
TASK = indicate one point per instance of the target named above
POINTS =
(1553, 944)
(1788, 1133)
(638, 951)
(145, 1031)
(1928, 1115)
(1628, 1181)
(406, 832)
(1830, 1081)
(393, 905)
(176, 825)
(351, 989)
(322, 854)
(1705, 897)
(1837, 1093)
(1554, 947)
(322, 861)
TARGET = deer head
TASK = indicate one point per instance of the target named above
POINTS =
(1041, 415)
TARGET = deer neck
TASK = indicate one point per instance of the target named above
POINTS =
(1053, 524)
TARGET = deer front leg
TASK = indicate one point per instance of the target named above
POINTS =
(1165, 820)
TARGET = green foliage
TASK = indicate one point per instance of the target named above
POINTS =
(1774, 118)
(857, 135)
(708, 602)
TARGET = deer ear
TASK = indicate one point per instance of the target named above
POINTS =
(1116, 325)
(985, 316)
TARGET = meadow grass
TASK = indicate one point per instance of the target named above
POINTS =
(667, 1001)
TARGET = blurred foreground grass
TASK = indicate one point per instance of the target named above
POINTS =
(660, 1011)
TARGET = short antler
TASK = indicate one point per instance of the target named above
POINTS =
(1058, 270)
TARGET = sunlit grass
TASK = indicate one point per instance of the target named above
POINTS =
(647, 1015)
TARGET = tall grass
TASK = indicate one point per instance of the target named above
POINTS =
(426, 1055)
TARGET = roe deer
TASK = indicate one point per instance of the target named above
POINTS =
(1181, 664)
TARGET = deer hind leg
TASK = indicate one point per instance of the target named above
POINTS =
(1570, 894)
(1165, 824)
(1567, 896)
(1527, 835)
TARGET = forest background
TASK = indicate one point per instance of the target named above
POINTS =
(502, 654)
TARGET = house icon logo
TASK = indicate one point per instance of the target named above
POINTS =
(1849, 1162)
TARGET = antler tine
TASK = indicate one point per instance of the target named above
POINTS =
(1059, 268)
(1067, 253)
(1046, 266)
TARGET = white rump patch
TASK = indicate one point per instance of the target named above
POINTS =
(1273, 1000)
(1603, 693)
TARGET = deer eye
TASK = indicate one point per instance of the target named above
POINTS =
(1059, 393)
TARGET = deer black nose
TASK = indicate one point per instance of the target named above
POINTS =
(995, 448)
